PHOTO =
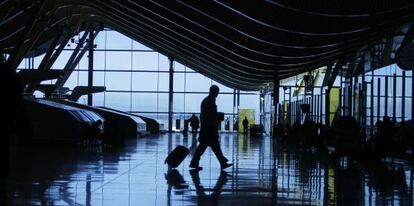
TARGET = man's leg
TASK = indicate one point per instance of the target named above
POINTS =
(197, 155)
(215, 146)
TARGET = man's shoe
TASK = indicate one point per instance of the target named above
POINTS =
(226, 165)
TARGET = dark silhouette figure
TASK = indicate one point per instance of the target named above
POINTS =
(227, 124)
(195, 124)
(202, 197)
(94, 134)
(245, 125)
(176, 180)
(209, 132)
(386, 129)
(382, 141)
(236, 124)
(12, 104)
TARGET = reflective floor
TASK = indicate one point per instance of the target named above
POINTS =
(264, 173)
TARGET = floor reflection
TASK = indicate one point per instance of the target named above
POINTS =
(264, 173)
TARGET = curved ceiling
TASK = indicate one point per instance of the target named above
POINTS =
(242, 44)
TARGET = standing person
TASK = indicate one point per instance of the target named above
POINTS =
(209, 131)
(195, 124)
(245, 125)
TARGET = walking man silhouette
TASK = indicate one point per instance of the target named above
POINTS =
(209, 130)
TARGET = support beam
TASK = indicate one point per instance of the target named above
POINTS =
(32, 31)
(74, 59)
(327, 74)
(352, 66)
(394, 97)
(371, 105)
(50, 50)
(335, 73)
(386, 97)
(386, 53)
(56, 54)
(90, 65)
(378, 99)
(327, 106)
(50, 57)
(320, 105)
(170, 94)
(403, 97)
(276, 86)
(408, 38)
(360, 68)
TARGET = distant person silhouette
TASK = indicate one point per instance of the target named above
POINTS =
(12, 105)
(209, 130)
(195, 124)
(245, 125)
(95, 133)
(236, 124)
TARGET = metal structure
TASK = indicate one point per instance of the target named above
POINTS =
(228, 41)
(240, 47)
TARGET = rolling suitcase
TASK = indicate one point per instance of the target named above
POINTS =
(177, 156)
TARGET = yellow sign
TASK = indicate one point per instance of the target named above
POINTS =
(249, 113)
(333, 103)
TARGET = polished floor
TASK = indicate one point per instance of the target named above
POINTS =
(264, 173)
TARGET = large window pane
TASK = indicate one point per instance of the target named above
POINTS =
(99, 60)
(225, 103)
(84, 62)
(145, 61)
(138, 46)
(23, 64)
(178, 82)
(144, 102)
(197, 83)
(116, 40)
(193, 102)
(62, 60)
(118, 60)
(118, 81)
(164, 63)
(178, 66)
(72, 81)
(98, 99)
(99, 40)
(162, 102)
(178, 105)
(83, 78)
(144, 81)
(37, 60)
(118, 100)
(163, 83)
(223, 88)
(98, 78)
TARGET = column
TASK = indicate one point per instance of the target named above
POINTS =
(90, 65)
(170, 94)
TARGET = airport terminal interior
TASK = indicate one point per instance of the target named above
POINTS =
(112, 102)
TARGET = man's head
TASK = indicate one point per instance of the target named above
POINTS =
(214, 90)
